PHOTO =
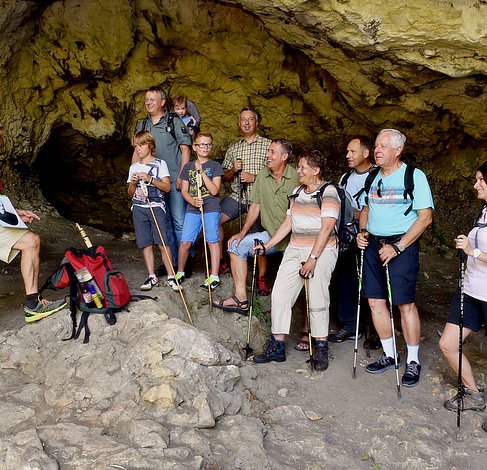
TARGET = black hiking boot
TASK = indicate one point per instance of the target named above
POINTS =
(343, 335)
(274, 351)
(320, 355)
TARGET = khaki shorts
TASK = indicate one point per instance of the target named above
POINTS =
(8, 238)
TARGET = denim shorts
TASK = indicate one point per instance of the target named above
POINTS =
(192, 227)
(244, 248)
(474, 312)
(403, 273)
(146, 231)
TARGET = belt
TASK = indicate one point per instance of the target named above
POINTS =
(387, 239)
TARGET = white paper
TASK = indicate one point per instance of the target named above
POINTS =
(8, 215)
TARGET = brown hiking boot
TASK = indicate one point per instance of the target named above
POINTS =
(470, 400)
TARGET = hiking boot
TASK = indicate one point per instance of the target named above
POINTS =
(384, 363)
(470, 400)
(411, 376)
(274, 351)
(214, 283)
(43, 309)
(263, 286)
(372, 342)
(224, 267)
(171, 282)
(343, 335)
(320, 355)
(149, 283)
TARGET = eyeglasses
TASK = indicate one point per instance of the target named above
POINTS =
(203, 145)
(151, 100)
(302, 168)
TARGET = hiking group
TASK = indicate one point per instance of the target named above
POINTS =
(298, 213)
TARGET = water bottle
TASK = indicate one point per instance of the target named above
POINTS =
(95, 296)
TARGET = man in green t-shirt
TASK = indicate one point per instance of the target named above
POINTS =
(269, 199)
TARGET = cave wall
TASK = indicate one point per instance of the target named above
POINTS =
(73, 76)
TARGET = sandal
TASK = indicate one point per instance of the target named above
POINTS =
(241, 307)
(302, 344)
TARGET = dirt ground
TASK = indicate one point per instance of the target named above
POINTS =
(361, 416)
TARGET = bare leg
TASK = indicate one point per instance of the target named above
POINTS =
(223, 219)
(183, 254)
(29, 246)
(262, 263)
(239, 273)
(148, 253)
(411, 325)
(215, 258)
(167, 261)
(381, 317)
(449, 347)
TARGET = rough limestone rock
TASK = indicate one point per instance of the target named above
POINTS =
(73, 75)
(119, 399)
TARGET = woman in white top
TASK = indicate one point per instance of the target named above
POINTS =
(474, 302)
(312, 253)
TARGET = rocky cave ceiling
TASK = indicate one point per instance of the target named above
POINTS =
(73, 75)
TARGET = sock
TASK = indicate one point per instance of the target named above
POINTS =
(388, 347)
(413, 350)
(180, 273)
(31, 300)
(214, 278)
(153, 276)
(170, 277)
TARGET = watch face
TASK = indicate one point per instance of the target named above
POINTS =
(476, 253)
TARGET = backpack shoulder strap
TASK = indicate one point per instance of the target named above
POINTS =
(409, 186)
(170, 124)
(293, 196)
(321, 190)
(344, 179)
(368, 183)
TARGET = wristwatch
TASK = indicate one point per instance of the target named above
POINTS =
(476, 253)
(398, 248)
(313, 257)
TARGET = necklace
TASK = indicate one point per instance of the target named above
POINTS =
(309, 189)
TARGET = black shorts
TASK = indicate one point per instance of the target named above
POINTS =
(403, 272)
(474, 312)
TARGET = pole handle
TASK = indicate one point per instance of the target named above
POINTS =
(85, 238)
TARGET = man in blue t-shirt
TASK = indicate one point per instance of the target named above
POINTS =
(390, 235)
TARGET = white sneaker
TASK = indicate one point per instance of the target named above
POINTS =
(149, 283)
(171, 282)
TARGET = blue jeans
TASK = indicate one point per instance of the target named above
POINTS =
(175, 212)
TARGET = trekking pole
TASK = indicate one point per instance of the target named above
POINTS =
(146, 194)
(239, 197)
(396, 365)
(247, 348)
(199, 183)
(355, 349)
(461, 278)
(85, 238)
(310, 343)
